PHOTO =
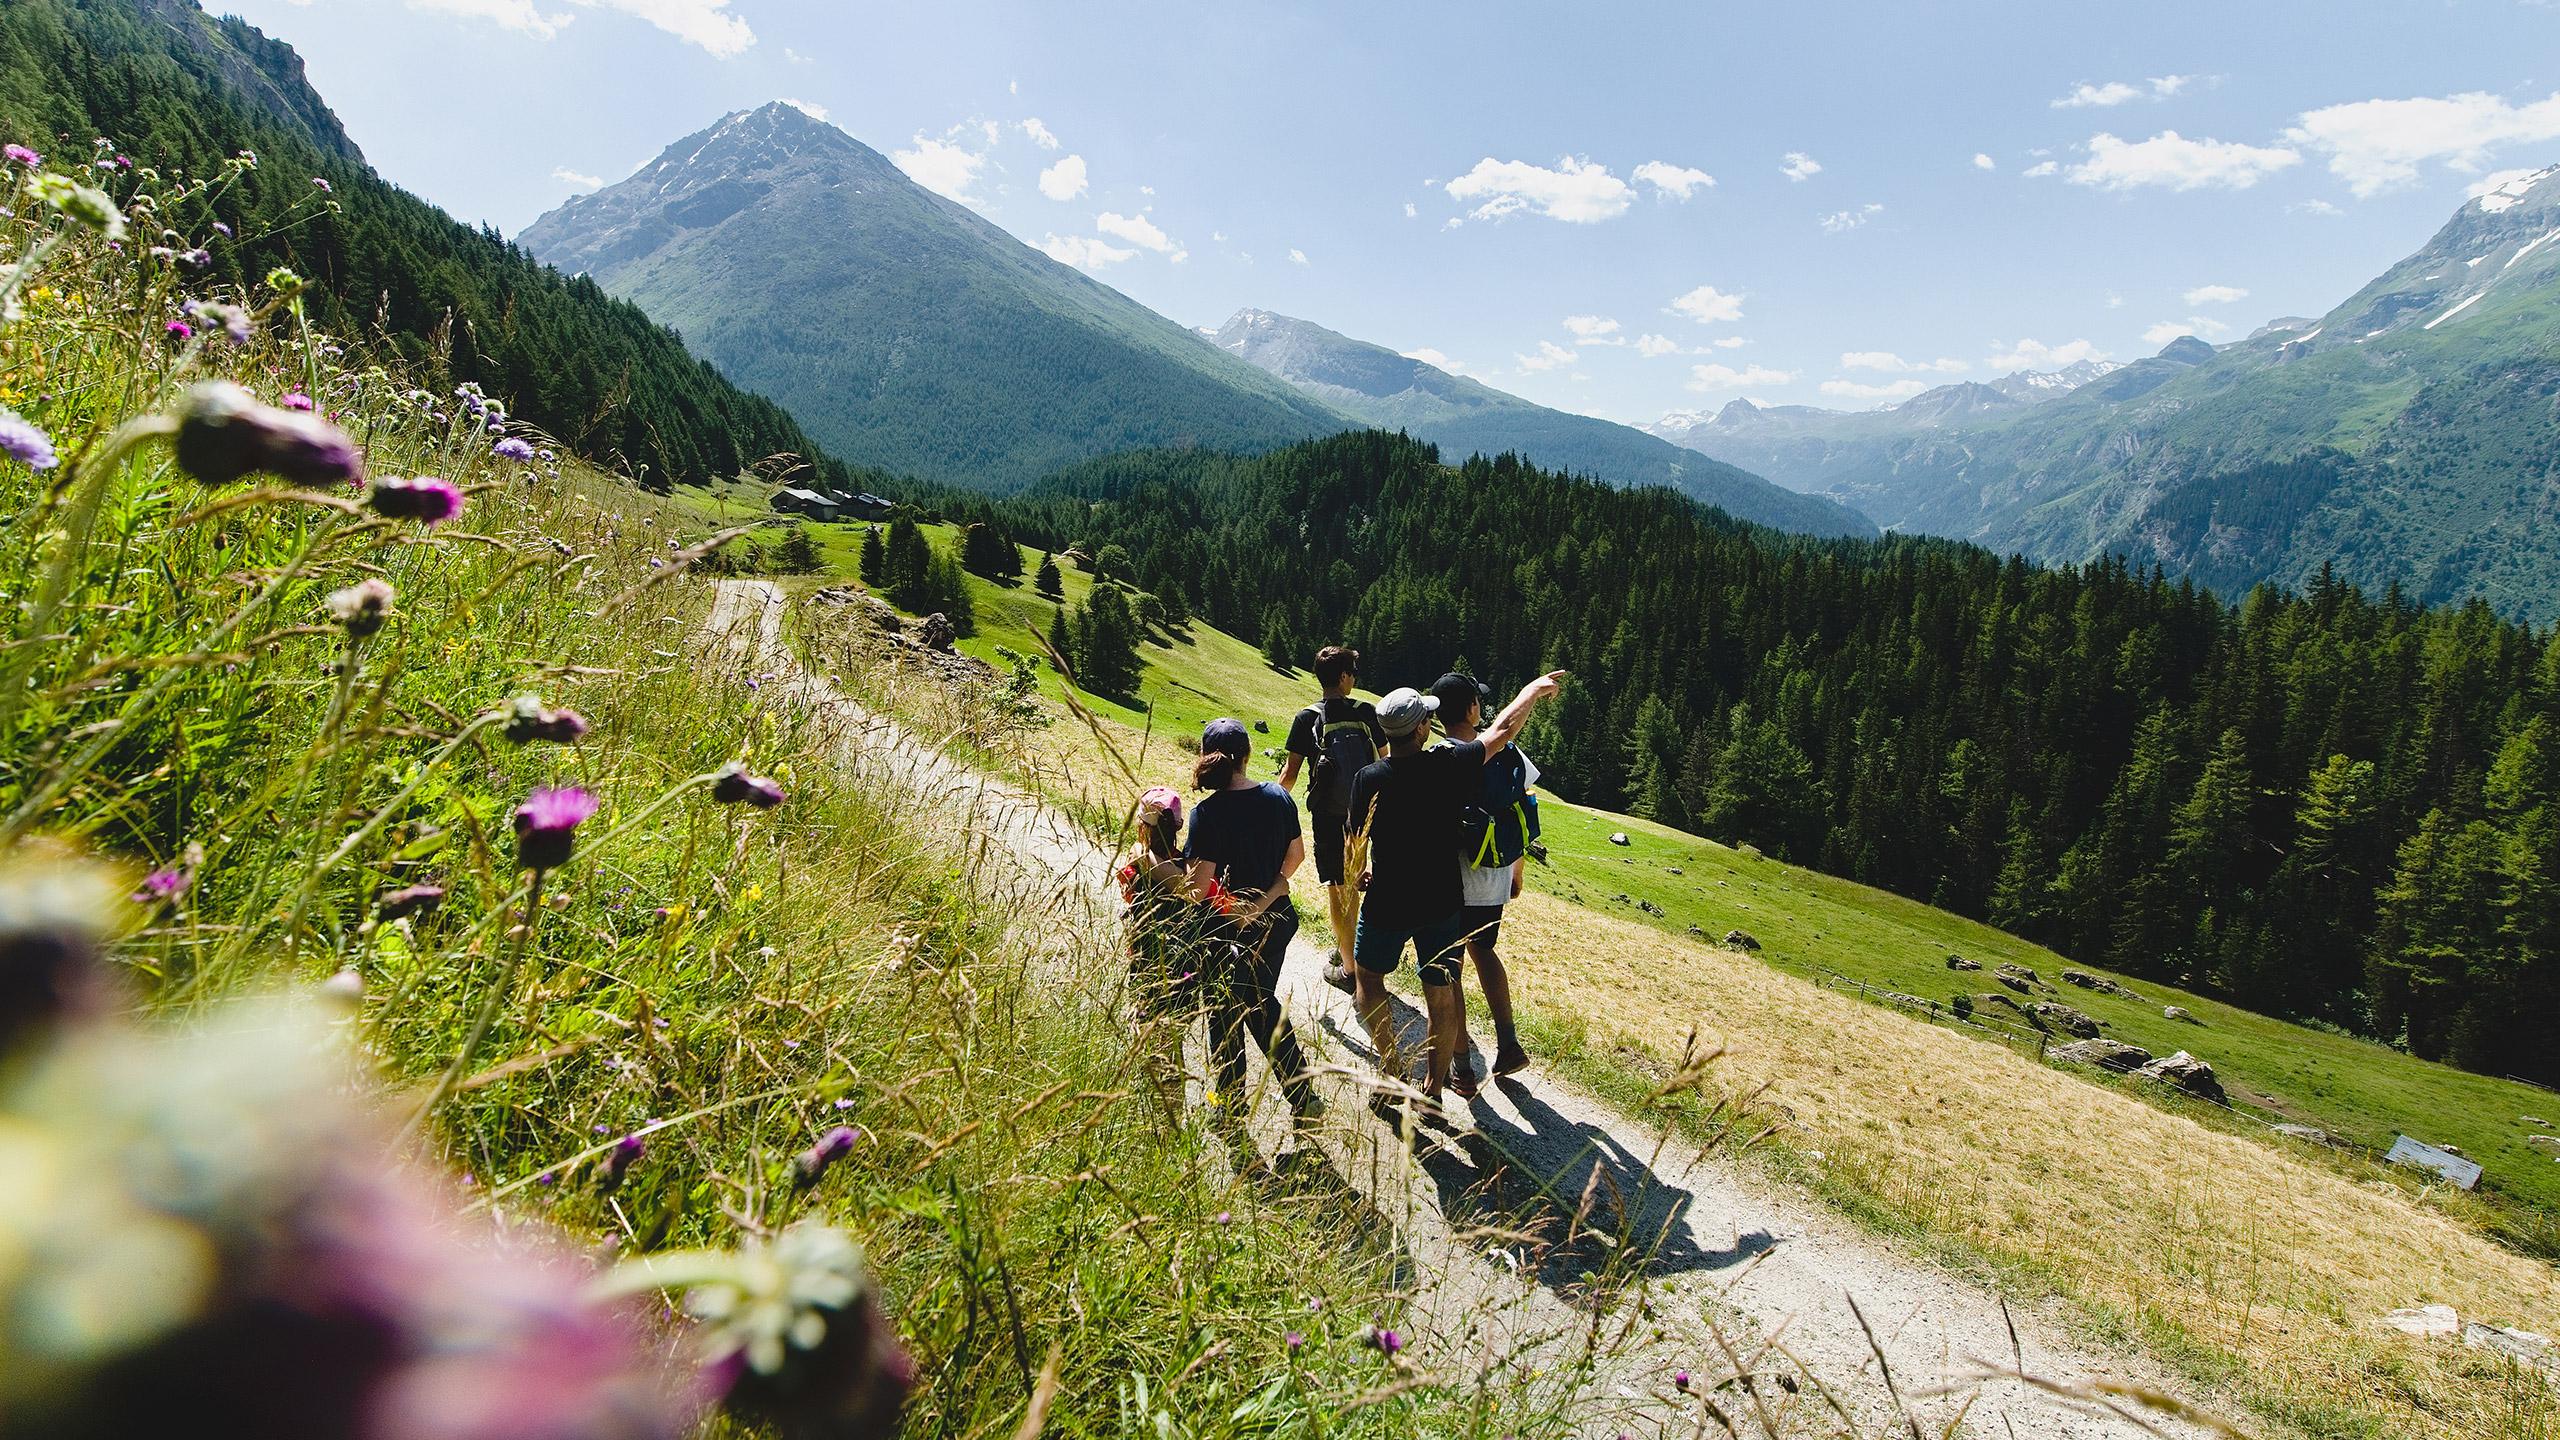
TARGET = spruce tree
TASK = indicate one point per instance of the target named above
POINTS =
(1106, 637)
(798, 552)
(875, 558)
(1046, 581)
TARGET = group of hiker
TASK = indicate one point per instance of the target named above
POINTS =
(1418, 845)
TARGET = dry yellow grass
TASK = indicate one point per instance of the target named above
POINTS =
(2227, 1254)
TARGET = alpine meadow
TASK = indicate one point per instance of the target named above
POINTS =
(729, 718)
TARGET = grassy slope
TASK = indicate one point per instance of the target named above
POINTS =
(2256, 1263)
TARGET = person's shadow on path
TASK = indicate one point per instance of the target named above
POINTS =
(1568, 1197)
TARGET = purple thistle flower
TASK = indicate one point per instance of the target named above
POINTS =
(1226, 1217)
(324, 186)
(225, 434)
(734, 786)
(410, 900)
(833, 1146)
(626, 1152)
(529, 722)
(1387, 1341)
(362, 608)
(512, 449)
(20, 154)
(221, 229)
(163, 886)
(197, 258)
(1294, 1340)
(297, 401)
(180, 330)
(547, 825)
(21, 441)
(1680, 1379)
(425, 498)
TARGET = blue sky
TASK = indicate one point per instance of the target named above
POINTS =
(1616, 209)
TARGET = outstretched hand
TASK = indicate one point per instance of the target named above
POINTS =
(1545, 686)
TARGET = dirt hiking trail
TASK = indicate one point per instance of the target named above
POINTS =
(1742, 1277)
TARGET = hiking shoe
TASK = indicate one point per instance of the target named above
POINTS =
(1510, 1060)
(1468, 1067)
(1338, 975)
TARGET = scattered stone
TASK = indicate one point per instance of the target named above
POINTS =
(2099, 983)
(1261, 727)
(2312, 1133)
(1698, 930)
(1958, 962)
(2522, 1346)
(2179, 1012)
(2453, 1150)
(1619, 837)
(2105, 1054)
(2066, 1019)
(1648, 907)
(2187, 1073)
(2017, 977)
(1740, 940)
(1619, 898)
(2549, 1143)
(2432, 1322)
(2536, 1121)
(936, 632)
(1676, 870)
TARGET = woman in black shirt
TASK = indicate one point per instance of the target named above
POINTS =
(1245, 844)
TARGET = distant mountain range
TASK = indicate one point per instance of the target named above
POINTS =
(2406, 437)
(897, 325)
(1462, 416)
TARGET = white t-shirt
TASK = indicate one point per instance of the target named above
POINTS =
(1491, 884)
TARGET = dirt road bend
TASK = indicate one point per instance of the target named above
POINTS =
(1742, 1274)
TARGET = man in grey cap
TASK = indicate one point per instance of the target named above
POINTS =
(1411, 805)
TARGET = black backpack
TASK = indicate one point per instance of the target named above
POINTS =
(1344, 748)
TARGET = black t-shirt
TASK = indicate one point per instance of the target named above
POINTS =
(1306, 740)
(1245, 833)
(1416, 807)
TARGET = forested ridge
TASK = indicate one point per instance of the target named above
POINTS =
(173, 89)
(2331, 805)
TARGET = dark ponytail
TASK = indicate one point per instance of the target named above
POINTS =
(1214, 771)
(1164, 837)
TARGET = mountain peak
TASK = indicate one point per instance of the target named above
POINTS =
(2517, 189)
(2187, 350)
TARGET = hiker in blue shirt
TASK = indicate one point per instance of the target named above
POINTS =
(1494, 851)
(1244, 846)
(1412, 807)
(1339, 737)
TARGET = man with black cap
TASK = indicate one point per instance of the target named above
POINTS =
(1501, 823)
(1412, 806)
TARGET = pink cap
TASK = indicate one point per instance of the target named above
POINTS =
(1169, 801)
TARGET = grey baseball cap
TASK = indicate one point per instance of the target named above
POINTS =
(1405, 710)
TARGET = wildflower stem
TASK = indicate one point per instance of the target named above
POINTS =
(489, 1006)
(25, 267)
(382, 816)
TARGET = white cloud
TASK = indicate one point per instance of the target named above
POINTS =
(1857, 390)
(2114, 301)
(1013, 87)
(1149, 191)
(576, 181)
(1064, 180)
(1590, 327)
(1728, 342)
(940, 166)
(518, 15)
(1039, 133)
(1893, 364)
(2316, 207)
(1431, 357)
(1654, 347)
(1136, 229)
(2037, 355)
(1220, 236)
(706, 23)
(814, 112)
(794, 56)
(2196, 325)
(2216, 295)
(1177, 257)
(1297, 256)
(1577, 190)
(2374, 145)
(1984, 162)
(1851, 219)
(2164, 86)
(1085, 252)
(2041, 169)
(1550, 355)
(2084, 95)
(1709, 306)
(2172, 160)
(1750, 377)
(1797, 165)
(1409, 211)
(1677, 181)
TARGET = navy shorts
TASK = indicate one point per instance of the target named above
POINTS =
(1480, 923)
(1436, 947)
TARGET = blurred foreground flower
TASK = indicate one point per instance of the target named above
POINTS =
(529, 721)
(547, 824)
(361, 608)
(23, 442)
(225, 434)
(425, 498)
(732, 785)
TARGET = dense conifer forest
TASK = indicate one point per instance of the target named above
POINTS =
(169, 88)
(2331, 805)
